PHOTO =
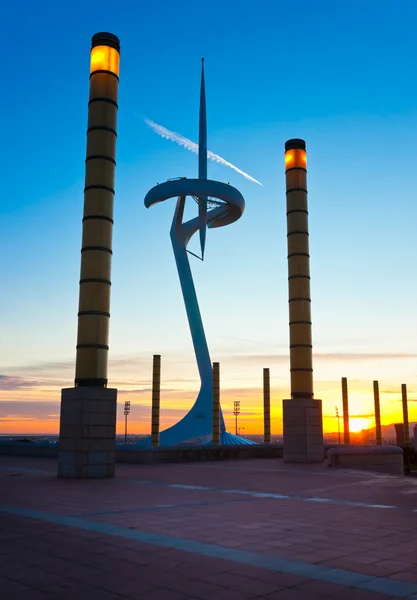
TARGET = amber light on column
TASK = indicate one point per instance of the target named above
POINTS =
(96, 252)
(105, 59)
(345, 400)
(301, 360)
(156, 399)
(296, 157)
(378, 435)
(216, 404)
(267, 407)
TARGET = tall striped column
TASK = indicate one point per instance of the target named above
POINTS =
(156, 399)
(216, 404)
(87, 436)
(96, 251)
(345, 400)
(302, 415)
(378, 434)
(267, 407)
(301, 353)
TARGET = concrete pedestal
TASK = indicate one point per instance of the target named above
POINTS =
(380, 459)
(87, 437)
(303, 431)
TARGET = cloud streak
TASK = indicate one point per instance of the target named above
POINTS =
(147, 391)
(358, 416)
(193, 147)
(15, 410)
(321, 356)
(16, 383)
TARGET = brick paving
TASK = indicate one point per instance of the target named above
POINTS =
(211, 531)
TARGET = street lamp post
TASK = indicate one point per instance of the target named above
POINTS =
(126, 413)
(236, 411)
(338, 422)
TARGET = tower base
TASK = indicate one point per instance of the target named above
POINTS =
(303, 431)
(87, 436)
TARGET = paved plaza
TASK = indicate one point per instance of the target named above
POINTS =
(234, 530)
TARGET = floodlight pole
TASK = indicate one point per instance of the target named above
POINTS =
(126, 412)
(236, 412)
(338, 422)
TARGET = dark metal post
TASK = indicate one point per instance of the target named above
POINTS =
(405, 415)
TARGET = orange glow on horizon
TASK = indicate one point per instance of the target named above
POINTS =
(39, 412)
(29, 427)
(104, 58)
(357, 424)
(252, 425)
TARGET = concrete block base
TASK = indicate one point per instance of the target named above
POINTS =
(380, 459)
(87, 436)
(303, 431)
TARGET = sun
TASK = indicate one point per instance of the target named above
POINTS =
(356, 424)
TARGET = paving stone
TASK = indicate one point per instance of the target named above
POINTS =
(237, 542)
(92, 594)
(14, 590)
(293, 594)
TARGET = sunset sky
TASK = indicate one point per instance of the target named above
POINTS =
(342, 76)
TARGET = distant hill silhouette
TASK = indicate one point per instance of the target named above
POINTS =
(388, 431)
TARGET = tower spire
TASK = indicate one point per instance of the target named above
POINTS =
(202, 131)
(202, 160)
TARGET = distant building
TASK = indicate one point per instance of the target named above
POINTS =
(415, 437)
(365, 436)
(399, 431)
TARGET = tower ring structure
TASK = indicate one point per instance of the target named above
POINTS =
(227, 203)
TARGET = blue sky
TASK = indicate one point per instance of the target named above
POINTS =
(340, 75)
